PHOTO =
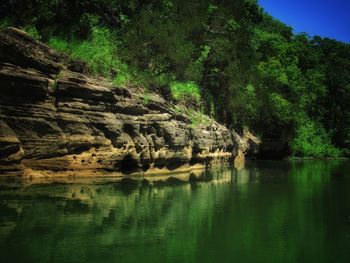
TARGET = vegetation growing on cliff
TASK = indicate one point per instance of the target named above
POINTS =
(243, 67)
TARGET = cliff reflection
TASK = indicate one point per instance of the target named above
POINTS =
(265, 207)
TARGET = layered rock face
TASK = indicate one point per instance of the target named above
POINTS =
(57, 121)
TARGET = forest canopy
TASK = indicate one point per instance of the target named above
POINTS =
(234, 61)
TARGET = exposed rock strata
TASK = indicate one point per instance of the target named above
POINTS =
(54, 118)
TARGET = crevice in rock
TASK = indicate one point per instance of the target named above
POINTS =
(78, 149)
(174, 164)
(129, 164)
(194, 160)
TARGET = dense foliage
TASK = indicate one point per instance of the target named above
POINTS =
(241, 66)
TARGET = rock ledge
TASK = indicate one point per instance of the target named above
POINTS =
(56, 121)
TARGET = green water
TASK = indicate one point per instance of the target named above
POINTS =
(267, 212)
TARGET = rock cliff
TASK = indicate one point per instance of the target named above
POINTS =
(55, 120)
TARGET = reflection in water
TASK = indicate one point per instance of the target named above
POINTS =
(267, 212)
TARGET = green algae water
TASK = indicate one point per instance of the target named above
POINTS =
(267, 212)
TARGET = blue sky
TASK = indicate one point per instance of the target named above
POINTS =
(326, 18)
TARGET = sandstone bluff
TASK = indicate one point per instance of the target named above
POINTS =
(55, 120)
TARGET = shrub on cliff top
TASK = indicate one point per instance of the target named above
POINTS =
(185, 90)
(99, 52)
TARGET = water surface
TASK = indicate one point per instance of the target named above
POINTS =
(268, 212)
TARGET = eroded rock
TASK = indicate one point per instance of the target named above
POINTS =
(53, 119)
